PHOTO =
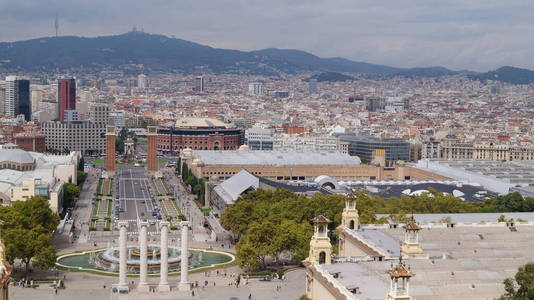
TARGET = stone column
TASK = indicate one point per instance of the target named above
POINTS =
(143, 267)
(185, 285)
(123, 254)
(164, 260)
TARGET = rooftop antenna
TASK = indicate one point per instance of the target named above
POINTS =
(56, 24)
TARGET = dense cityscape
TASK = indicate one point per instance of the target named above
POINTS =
(269, 174)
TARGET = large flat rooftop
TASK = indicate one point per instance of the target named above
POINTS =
(199, 122)
(275, 158)
(468, 262)
(496, 176)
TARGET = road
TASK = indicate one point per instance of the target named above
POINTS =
(136, 197)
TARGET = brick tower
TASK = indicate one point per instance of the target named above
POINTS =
(151, 160)
(110, 150)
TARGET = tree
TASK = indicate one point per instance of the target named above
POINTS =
(123, 134)
(70, 191)
(81, 176)
(236, 217)
(257, 244)
(119, 145)
(81, 164)
(196, 189)
(521, 287)
(27, 232)
(512, 202)
(293, 237)
(178, 166)
(191, 181)
(185, 172)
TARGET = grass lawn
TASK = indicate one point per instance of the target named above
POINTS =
(99, 161)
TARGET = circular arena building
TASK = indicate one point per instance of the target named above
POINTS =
(198, 134)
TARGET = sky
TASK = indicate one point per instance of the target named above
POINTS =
(477, 35)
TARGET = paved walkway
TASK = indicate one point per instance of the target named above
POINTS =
(81, 286)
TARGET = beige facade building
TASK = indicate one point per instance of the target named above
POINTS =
(453, 148)
(295, 166)
(36, 187)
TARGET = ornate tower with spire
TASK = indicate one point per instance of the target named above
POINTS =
(320, 246)
(350, 218)
(411, 243)
(400, 282)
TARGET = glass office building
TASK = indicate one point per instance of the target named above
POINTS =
(363, 147)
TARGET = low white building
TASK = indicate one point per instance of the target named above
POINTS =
(257, 138)
(26, 174)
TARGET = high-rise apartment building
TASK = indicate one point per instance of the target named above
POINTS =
(17, 97)
(36, 98)
(142, 81)
(312, 86)
(199, 84)
(99, 113)
(255, 88)
(2, 97)
(66, 96)
(86, 98)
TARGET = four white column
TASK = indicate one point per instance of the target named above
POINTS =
(163, 286)
(143, 259)
(164, 258)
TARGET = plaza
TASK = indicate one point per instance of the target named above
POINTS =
(142, 255)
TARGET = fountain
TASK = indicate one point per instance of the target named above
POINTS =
(108, 259)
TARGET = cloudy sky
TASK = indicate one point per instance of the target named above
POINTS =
(459, 34)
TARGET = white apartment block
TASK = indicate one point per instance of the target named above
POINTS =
(325, 143)
(87, 137)
(257, 138)
(255, 88)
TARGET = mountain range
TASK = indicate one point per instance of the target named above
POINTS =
(158, 53)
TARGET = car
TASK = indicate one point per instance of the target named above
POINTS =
(121, 209)
(142, 214)
(152, 222)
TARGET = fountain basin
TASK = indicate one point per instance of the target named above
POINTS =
(199, 259)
